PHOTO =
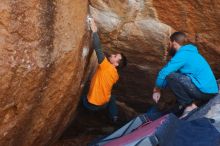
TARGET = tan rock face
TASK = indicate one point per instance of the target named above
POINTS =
(141, 30)
(44, 55)
(200, 19)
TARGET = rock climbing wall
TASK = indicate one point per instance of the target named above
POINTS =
(44, 60)
(45, 57)
(141, 28)
(200, 20)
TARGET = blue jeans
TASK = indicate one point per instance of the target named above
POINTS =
(185, 90)
(111, 105)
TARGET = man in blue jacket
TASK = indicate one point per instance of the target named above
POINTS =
(187, 74)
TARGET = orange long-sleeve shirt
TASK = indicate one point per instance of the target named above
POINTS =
(102, 82)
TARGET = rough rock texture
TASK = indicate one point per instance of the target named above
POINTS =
(44, 59)
(44, 55)
(200, 19)
(140, 29)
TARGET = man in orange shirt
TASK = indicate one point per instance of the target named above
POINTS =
(106, 75)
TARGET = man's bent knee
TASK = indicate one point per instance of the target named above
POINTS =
(173, 76)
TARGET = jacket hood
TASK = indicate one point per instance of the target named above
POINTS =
(189, 47)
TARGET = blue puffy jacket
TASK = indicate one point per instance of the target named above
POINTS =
(188, 61)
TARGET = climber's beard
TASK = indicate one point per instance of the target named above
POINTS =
(171, 52)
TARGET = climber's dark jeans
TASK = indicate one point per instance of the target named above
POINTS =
(111, 105)
(185, 91)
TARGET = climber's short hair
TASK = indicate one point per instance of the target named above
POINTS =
(179, 37)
